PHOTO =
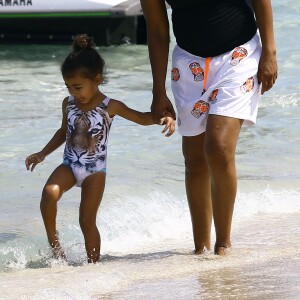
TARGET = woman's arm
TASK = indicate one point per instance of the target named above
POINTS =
(155, 13)
(56, 141)
(267, 69)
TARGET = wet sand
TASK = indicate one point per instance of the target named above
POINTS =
(264, 264)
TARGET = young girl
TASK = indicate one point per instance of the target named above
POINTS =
(86, 121)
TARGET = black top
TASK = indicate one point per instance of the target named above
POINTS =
(209, 28)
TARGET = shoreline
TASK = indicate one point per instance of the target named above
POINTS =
(265, 269)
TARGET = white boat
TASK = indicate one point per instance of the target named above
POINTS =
(57, 21)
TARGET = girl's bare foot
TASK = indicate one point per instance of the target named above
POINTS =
(57, 250)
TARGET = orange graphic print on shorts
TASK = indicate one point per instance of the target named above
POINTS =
(175, 74)
(248, 85)
(197, 71)
(200, 108)
(237, 55)
(213, 96)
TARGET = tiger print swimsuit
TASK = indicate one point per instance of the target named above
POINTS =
(86, 139)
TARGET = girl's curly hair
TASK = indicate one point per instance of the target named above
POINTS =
(84, 57)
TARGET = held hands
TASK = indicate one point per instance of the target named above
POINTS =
(161, 105)
(169, 123)
(34, 159)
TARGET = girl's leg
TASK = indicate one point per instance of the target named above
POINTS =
(61, 180)
(197, 180)
(91, 196)
(220, 144)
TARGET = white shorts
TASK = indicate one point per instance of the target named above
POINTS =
(223, 85)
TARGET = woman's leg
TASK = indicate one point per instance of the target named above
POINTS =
(220, 144)
(91, 196)
(61, 180)
(197, 180)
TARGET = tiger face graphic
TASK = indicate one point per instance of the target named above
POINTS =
(86, 138)
(238, 54)
(197, 71)
(200, 108)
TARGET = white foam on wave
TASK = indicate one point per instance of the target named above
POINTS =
(138, 224)
(267, 201)
(284, 100)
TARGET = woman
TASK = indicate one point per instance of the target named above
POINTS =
(220, 65)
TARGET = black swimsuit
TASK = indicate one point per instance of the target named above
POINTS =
(209, 28)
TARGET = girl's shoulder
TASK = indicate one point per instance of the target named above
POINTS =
(110, 101)
(105, 102)
(68, 103)
(68, 99)
(110, 107)
(65, 102)
(114, 107)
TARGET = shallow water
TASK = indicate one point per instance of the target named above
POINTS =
(144, 219)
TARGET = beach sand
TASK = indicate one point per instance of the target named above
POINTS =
(261, 265)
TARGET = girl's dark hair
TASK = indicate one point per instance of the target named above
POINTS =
(84, 56)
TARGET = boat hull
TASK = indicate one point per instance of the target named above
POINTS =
(106, 31)
(109, 22)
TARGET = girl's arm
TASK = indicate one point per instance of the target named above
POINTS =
(57, 140)
(267, 69)
(116, 107)
(155, 13)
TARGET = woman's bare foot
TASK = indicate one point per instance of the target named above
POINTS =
(203, 250)
(222, 250)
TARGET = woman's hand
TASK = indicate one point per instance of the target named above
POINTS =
(161, 105)
(267, 71)
(267, 68)
(34, 159)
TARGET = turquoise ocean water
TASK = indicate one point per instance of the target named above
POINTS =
(144, 219)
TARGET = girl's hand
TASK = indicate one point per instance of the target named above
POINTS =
(169, 125)
(34, 159)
